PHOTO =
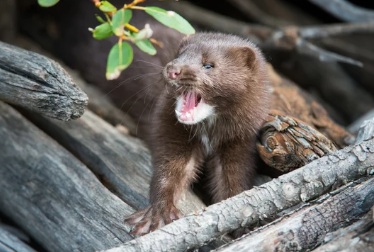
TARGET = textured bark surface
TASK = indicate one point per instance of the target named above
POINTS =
(308, 227)
(260, 203)
(37, 83)
(357, 237)
(51, 195)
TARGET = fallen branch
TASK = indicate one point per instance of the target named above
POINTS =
(260, 203)
(345, 10)
(34, 82)
(306, 228)
(356, 237)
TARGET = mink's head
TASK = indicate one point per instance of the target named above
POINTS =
(214, 74)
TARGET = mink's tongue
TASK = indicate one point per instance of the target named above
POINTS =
(190, 100)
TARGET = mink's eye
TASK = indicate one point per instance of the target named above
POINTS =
(208, 66)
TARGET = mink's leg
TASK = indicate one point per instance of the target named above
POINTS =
(231, 170)
(174, 170)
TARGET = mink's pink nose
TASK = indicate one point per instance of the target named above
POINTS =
(173, 73)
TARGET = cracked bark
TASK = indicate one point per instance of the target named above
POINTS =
(34, 82)
(307, 227)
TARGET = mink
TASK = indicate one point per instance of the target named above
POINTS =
(214, 99)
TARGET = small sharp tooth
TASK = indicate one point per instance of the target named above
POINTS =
(178, 113)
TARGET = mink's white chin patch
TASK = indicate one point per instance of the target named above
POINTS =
(191, 108)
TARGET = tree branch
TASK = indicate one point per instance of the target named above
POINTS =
(345, 10)
(307, 227)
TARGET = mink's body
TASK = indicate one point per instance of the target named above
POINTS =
(214, 101)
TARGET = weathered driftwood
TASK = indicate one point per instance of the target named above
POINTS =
(51, 195)
(10, 243)
(260, 203)
(123, 163)
(357, 237)
(37, 83)
(306, 228)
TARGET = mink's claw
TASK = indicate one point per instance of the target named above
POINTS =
(151, 218)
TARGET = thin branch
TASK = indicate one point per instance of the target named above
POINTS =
(345, 11)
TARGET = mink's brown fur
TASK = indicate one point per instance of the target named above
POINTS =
(237, 87)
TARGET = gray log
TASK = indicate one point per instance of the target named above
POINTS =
(357, 237)
(35, 82)
(308, 227)
(51, 195)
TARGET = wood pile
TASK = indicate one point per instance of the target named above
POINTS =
(69, 178)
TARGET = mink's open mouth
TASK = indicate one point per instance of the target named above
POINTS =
(191, 108)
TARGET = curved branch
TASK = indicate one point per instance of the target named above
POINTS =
(345, 10)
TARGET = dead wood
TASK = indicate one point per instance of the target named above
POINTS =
(345, 10)
(307, 227)
(357, 237)
(260, 203)
(37, 83)
(298, 129)
(51, 195)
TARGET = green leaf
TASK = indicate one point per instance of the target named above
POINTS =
(107, 7)
(170, 19)
(119, 20)
(102, 31)
(146, 46)
(100, 19)
(119, 58)
(47, 3)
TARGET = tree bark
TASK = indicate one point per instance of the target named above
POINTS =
(37, 83)
(357, 237)
(308, 227)
(52, 195)
(260, 203)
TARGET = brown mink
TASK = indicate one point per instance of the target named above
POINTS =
(214, 100)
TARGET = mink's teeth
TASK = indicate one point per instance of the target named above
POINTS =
(178, 113)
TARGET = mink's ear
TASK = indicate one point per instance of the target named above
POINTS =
(246, 54)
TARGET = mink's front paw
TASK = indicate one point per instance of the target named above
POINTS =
(152, 218)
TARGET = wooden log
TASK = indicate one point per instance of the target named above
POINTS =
(122, 162)
(51, 195)
(306, 228)
(37, 83)
(357, 237)
(10, 242)
(260, 203)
